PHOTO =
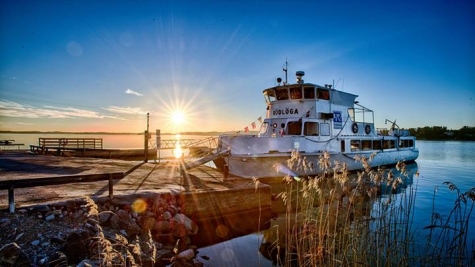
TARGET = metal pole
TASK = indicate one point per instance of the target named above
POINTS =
(158, 137)
(145, 145)
(148, 117)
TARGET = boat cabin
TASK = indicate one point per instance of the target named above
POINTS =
(306, 109)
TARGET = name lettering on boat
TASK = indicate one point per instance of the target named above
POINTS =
(285, 111)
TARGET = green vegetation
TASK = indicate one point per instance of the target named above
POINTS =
(337, 219)
(465, 133)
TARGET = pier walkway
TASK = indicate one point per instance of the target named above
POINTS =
(204, 188)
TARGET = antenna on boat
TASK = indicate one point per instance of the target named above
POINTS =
(285, 70)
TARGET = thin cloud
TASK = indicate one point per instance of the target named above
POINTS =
(125, 110)
(132, 92)
(17, 110)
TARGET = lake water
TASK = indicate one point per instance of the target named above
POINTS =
(438, 162)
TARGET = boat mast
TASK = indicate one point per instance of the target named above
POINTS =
(285, 70)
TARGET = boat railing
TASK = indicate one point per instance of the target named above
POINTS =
(395, 132)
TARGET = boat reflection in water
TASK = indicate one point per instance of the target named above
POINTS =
(233, 239)
(283, 229)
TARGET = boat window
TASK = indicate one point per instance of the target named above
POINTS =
(325, 129)
(310, 128)
(355, 145)
(323, 94)
(377, 144)
(296, 93)
(366, 144)
(294, 128)
(264, 128)
(351, 114)
(309, 92)
(406, 143)
(388, 144)
(282, 94)
(269, 96)
(342, 145)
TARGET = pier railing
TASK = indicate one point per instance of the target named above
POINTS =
(44, 144)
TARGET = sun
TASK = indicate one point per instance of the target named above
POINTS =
(178, 117)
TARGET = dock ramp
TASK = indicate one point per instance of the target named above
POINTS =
(208, 158)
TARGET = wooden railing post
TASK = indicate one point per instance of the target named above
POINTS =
(111, 186)
(11, 198)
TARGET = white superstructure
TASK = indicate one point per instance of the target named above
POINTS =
(311, 119)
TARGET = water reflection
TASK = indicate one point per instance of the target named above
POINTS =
(320, 235)
(214, 230)
(271, 242)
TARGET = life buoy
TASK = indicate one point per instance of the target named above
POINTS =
(367, 129)
(354, 127)
(63, 141)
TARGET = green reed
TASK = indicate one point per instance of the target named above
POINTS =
(338, 219)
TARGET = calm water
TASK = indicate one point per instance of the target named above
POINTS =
(438, 162)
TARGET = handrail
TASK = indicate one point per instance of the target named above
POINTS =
(187, 143)
(10, 185)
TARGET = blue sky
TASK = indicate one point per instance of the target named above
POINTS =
(102, 65)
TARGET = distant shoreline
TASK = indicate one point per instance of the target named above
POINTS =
(110, 133)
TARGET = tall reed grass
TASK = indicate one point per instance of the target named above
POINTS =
(365, 219)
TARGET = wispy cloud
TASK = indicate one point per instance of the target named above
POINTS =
(126, 110)
(132, 92)
(17, 110)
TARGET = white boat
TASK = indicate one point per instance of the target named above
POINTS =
(312, 119)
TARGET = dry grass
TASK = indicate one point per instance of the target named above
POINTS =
(118, 251)
(338, 219)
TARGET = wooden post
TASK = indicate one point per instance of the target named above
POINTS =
(226, 171)
(111, 186)
(145, 146)
(11, 199)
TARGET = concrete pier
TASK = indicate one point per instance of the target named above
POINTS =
(204, 190)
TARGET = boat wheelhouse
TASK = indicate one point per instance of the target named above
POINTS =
(312, 119)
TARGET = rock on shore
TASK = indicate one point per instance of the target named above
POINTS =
(150, 231)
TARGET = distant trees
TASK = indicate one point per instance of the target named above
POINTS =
(465, 133)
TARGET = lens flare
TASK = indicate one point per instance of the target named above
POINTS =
(177, 152)
(222, 231)
(139, 205)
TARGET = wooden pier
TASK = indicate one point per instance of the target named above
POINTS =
(10, 144)
(28, 179)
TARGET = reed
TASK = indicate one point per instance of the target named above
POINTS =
(117, 250)
(364, 219)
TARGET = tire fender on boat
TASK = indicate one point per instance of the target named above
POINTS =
(354, 127)
(367, 129)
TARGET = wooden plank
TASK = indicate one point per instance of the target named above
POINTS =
(58, 180)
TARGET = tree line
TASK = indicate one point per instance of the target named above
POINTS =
(465, 133)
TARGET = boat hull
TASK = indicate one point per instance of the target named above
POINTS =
(277, 165)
